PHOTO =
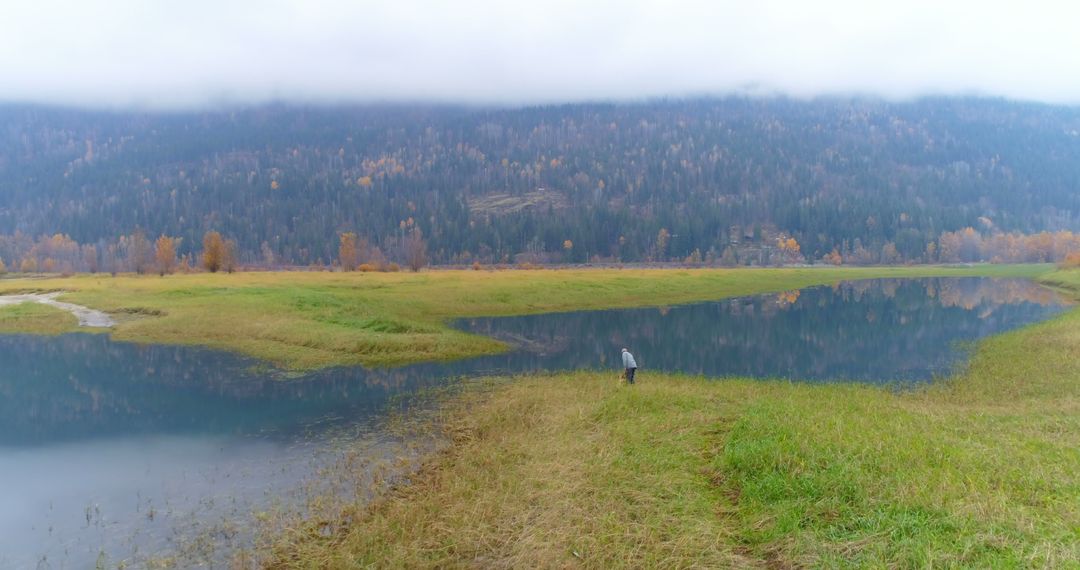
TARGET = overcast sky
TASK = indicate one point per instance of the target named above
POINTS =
(181, 53)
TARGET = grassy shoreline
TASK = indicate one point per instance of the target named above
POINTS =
(34, 318)
(573, 470)
(305, 321)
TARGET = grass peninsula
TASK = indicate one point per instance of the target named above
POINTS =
(572, 470)
(307, 320)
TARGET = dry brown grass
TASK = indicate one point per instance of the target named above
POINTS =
(548, 472)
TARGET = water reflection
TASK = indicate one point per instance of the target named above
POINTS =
(86, 386)
(877, 330)
(81, 386)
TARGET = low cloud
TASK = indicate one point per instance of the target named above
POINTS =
(176, 54)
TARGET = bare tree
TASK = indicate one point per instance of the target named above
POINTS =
(90, 257)
(228, 258)
(415, 250)
(141, 256)
(268, 255)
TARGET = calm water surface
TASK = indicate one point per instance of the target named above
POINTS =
(112, 451)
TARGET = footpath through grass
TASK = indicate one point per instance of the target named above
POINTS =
(573, 470)
(303, 321)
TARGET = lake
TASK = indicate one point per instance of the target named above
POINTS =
(113, 451)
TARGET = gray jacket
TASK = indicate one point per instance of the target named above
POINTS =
(628, 360)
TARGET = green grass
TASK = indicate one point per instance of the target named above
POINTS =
(574, 470)
(302, 321)
(35, 318)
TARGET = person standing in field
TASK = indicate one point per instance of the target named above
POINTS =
(629, 364)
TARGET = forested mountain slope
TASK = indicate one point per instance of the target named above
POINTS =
(572, 181)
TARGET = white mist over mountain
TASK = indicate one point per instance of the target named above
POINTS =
(177, 54)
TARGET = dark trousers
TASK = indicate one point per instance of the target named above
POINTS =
(630, 375)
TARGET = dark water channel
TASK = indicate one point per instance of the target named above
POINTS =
(112, 451)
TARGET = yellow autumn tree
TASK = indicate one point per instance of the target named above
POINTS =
(789, 248)
(348, 255)
(788, 245)
(213, 251)
(165, 254)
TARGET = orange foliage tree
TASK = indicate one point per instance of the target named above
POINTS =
(348, 255)
(1072, 261)
(165, 254)
(790, 249)
(969, 245)
(213, 251)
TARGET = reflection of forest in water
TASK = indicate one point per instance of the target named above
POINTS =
(966, 292)
(885, 329)
(78, 386)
